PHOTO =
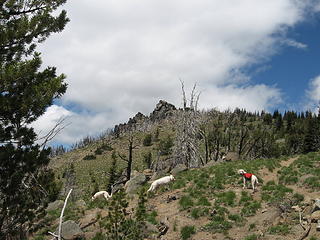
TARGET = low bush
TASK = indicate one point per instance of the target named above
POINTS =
(187, 231)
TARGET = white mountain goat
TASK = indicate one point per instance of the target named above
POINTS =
(250, 177)
(160, 181)
(105, 194)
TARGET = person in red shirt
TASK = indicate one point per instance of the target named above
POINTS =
(248, 177)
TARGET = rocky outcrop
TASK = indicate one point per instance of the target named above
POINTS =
(133, 123)
(140, 122)
(163, 110)
(134, 183)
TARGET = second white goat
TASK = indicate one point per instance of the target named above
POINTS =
(160, 181)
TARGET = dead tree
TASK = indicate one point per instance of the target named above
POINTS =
(186, 150)
(129, 159)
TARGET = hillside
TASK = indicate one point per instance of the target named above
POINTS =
(205, 202)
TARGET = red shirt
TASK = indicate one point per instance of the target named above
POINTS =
(247, 175)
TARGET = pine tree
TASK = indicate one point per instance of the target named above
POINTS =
(112, 172)
(118, 226)
(26, 92)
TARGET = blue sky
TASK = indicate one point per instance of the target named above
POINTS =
(292, 68)
(121, 57)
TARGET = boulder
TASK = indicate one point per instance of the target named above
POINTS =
(134, 183)
(315, 216)
(56, 205)
(179, 168)
(316, 206)
(70, 230)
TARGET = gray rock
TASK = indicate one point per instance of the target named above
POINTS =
(56, 205)
(179, 168)
(134, 183)
(316, 206)
(315, 216)
(70, 230)
(163, 110)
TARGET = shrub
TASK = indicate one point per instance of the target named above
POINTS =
(245, 198)
(89, 157)
(218, 224)
(203, 201)
(272, 192)
(147, 159)
(165, 146)
(185, 202)
(250, 209)
(199, 212)
(251, 237)
(151, 217)
(147, 141)
(187, 231)
(236, 218)
(227, 198)
(280, 229)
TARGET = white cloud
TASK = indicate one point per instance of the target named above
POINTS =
(313, 94)
(121, 57)
(294, 43)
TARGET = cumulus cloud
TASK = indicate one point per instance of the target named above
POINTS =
(121, 57)
(313, 94)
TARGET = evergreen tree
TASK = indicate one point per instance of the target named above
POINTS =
(26, 92)
(112, 172)
(118, 226)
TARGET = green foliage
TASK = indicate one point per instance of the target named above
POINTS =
(187, 231)
(250, 209)
(251, 237)
(203, 201)
(186, 202)
(151, 217)
(218, 225)
(147, 159)
(26, 91)
(199, 212)
(236, 218)
(112, 172)
(271, 192)
(227, 198)
(89, 157)
(117, 225)
(282, 229)
(141, 212)
(147, 141)
(252, 226)
(99, 236)
(245, 198)
(165, 146)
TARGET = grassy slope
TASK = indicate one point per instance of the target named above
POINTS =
(238, 214)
